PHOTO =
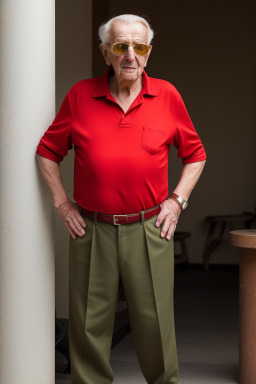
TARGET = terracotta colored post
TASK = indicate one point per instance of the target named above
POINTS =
(246, 241)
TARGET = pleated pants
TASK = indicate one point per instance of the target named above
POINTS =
(136, 254)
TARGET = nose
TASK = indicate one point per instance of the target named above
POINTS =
(130, 55)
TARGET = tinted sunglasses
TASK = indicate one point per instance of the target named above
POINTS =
(122, 48)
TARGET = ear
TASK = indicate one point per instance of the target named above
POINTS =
(104, 52)
(147, 56)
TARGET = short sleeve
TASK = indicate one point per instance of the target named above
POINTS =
(186, 140)
(56, 141)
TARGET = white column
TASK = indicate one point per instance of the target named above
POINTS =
(27, 263)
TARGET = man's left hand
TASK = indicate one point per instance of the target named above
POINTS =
(169, 214)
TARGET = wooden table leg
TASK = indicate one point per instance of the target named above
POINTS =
(212, 243)
(246, 241)
(207, 244)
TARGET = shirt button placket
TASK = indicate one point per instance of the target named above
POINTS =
(124, 122)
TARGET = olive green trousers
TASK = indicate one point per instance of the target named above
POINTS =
(136, 254)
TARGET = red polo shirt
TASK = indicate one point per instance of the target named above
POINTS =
(121, 159)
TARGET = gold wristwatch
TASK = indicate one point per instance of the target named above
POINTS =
(183, 203)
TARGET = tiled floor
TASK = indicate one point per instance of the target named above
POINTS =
(206, 320)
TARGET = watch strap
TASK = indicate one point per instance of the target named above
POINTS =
(182, 202)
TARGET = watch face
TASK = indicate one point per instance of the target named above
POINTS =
(184, 204)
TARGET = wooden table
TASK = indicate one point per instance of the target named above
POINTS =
(246, 241)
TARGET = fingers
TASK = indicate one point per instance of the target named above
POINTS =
(168, 230)
(77, 224)
(69, 213)
(72, 223)
(81, 220)
(168, 216)
(72, 233)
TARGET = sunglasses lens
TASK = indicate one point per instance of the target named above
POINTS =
(120, 48)
(141, 49)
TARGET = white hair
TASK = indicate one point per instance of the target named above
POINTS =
(128, 19)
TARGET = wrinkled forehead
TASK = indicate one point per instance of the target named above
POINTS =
(135, 32)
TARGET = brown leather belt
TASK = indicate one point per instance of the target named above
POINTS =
(122, 219)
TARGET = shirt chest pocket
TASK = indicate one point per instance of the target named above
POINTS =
(152, 139)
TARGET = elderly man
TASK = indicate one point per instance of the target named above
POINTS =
(121, 225)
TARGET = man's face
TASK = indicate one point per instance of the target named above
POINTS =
(130, 65)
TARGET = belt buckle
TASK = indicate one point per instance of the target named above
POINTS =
(117, 219)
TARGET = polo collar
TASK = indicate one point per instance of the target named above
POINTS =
(102, 88)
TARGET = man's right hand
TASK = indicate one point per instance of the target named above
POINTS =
(70, 215)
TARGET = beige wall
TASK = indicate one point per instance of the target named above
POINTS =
(206, 50)
(73, 63)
